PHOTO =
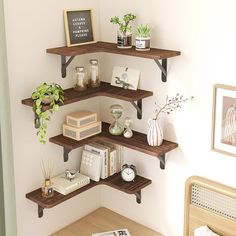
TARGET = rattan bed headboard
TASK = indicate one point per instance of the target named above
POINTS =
(209, 203)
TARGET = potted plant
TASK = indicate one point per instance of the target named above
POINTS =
(46, 95)
(143, 37)
(124, 35)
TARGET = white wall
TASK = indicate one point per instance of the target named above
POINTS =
(31, 28)
(202, 30)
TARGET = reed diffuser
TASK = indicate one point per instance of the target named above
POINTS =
(47, 188)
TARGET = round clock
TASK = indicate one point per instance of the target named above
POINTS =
(128, 172)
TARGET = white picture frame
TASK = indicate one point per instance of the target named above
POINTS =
(125, 77)
(224, 119)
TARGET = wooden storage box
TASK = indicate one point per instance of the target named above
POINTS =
(81, 118)
(82, 132)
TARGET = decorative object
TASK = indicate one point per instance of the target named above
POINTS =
(79, 27)
(81, 118)
(50, 95)
(125, 77)
(124, 35)
(155, 133)
(128, 172)
(47, 187)
(224, 119)
(79, 133)
(94, 73)
(128, 133)
(80, 78)
(116, 112)
(142, 42)
(70, 175)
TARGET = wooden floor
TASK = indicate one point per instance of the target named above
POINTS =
(102, 220)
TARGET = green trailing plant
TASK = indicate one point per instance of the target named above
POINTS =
(46, 95)
(124, 23)
(143, 31)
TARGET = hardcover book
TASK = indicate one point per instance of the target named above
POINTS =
(65, 186)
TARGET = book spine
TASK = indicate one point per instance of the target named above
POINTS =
(112, 162)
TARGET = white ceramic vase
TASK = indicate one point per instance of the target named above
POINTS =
(155, 133)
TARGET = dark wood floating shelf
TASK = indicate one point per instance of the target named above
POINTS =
(137, 142)
(113, 181)
(155, 54)
(105, 89)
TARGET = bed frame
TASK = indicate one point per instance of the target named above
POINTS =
(209, 203)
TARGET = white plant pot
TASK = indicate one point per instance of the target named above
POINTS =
(142, 44)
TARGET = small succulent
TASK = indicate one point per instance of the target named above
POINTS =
(46, 93)
(171, 104)
(143, 31)
(124, 23)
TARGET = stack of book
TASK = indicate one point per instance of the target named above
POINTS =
(119, 232)
(82, 124)
(112, 157)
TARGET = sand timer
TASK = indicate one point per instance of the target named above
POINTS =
(116, 112)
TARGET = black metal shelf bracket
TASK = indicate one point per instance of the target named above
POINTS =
(138, 196)
(162, 161)
(40, 211)
(138, 107)
(163, 68)
(66, 152)
(64, 64)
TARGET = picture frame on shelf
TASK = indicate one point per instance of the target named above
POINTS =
(224, 119)
(125, 77)
(79, 27)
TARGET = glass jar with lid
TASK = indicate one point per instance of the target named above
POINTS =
(94, 73)
(80, 78)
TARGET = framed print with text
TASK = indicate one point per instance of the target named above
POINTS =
(224, 119)
(79, 27)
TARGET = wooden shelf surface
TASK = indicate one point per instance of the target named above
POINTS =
(137, 142)
(113, 181)
(154, 53)
(102, 220)
(105, 89)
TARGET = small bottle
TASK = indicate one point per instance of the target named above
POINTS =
(47, 188)
(94, 73)
(80, 78)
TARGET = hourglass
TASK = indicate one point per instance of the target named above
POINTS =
(128, 133)
(116, 112)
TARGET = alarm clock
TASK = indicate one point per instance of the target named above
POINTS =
(128, 172)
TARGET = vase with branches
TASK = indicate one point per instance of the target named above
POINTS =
(155, 133)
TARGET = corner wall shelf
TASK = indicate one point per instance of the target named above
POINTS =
(137, 142)
(113, 181)
(155, 54)
(105, 89)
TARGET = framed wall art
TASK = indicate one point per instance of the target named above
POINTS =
(224, 119)
(79, 27)
(125, 77)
